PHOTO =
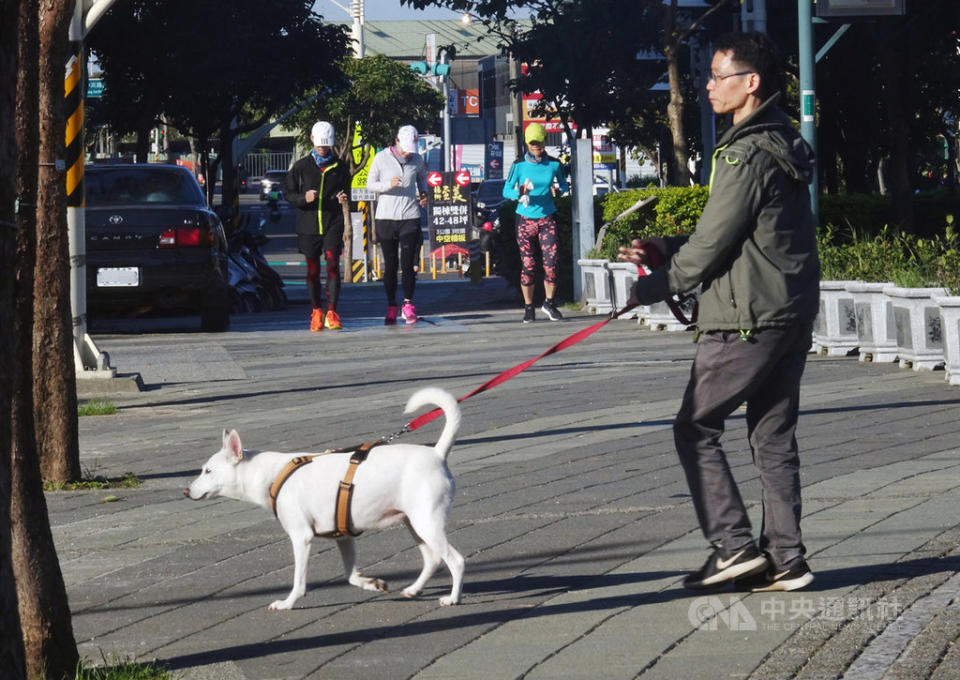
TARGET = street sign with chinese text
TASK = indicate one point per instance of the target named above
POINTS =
(494, 160)
(448, 210)
(95, 87)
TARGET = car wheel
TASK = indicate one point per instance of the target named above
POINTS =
(215, 318)
(215, 310)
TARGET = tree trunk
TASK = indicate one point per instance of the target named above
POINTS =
(228, 192)
(141, 152)
(55, 389)
(681, 168)
(12, 663)
(48, 638)
(894, 95)
(671, 50)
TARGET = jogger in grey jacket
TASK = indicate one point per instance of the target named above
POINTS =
(399, 176)
(754, 254)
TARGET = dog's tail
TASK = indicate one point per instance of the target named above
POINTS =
(434, 396)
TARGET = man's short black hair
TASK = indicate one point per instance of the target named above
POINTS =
(755, 51)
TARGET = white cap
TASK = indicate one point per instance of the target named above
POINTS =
(407, 139)
(322, 133)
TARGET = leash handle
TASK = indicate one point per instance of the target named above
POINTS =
(675, 304)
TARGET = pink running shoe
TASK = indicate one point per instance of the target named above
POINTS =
(409, 312)
(391, 317)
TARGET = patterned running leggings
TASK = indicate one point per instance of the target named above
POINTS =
(529, 232)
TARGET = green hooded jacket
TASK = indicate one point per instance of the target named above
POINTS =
(754, 250)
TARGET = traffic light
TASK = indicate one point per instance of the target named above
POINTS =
(425, 69)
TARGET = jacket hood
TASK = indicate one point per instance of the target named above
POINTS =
(777, 136)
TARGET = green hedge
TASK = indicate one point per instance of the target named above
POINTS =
(676, 211)
(854, 241)
(869, 214)
(907, 260)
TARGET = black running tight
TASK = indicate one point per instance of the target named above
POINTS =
(409, 247)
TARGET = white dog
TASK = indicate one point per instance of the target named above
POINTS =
(405, 482)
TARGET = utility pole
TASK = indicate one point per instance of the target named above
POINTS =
(516, 103)
(447, 146)
(753, 15)
(356, 12)
(808, 93)
(89, 361)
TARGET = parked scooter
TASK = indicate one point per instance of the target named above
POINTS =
(487, 229)
(247, 293)
(250, 249)
(246, 285)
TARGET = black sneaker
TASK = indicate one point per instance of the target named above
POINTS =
(794, 577)
(529, 316)
(551, 310)
(722, 567)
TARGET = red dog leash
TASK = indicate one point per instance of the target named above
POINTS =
(516, 370)
(579, 336)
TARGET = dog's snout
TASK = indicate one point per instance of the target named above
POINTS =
(186, 492)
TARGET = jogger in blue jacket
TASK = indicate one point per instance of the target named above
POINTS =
(533, 182)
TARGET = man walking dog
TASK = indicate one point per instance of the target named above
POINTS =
(754, 254)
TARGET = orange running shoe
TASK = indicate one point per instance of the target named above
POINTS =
(316, 321)
(332, 321)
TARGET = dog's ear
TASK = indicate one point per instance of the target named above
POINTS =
(233, 447)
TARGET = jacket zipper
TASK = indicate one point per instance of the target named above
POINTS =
(323, 177)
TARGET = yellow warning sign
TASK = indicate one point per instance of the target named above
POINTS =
(357, 271)
(360, 179)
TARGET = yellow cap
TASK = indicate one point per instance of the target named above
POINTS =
(535, 133)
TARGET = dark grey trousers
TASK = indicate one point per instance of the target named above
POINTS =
(764, 371)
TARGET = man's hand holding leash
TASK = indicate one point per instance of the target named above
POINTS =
(648, 252)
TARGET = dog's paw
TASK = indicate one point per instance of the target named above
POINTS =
(368, 583)
(411, 592)
(448, 600)
(277, 605)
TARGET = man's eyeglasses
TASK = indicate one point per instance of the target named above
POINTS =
(717, 77)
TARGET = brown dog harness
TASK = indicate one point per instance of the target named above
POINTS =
(341, 516)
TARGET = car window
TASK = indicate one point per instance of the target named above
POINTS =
(276, 176)
(141, 185)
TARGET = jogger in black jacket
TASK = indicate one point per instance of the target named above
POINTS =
(317, 186)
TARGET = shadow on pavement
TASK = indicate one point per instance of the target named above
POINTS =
(469, 618)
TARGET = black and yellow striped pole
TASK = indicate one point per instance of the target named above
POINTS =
(365, 221)
(88, 359)
(73, 102)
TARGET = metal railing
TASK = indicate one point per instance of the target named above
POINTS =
(257, 164)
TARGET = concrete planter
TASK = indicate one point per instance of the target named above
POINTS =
(623, 276)
(916, 318)
(876, 334)
(950, 327)
(596, 286)
(658, 317)
(835, 328)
